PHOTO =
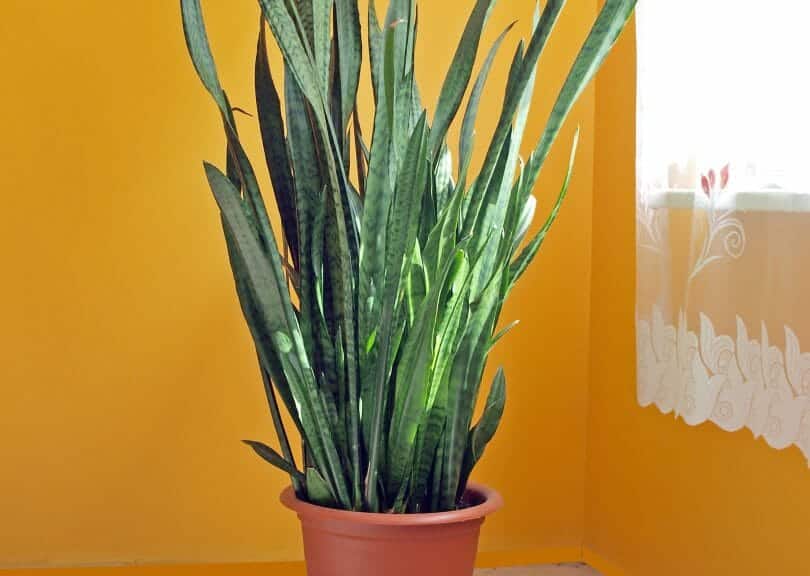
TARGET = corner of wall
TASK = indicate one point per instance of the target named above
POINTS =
(612, 287)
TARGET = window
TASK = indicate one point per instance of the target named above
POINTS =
(725, 82)
(724, 215)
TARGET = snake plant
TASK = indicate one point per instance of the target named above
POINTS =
(374, 309)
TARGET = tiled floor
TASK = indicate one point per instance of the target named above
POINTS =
(545, 570)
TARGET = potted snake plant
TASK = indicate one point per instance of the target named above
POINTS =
(374, 307)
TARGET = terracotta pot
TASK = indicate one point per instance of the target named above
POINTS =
(340, 543)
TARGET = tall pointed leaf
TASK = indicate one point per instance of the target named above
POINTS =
(609, 24)
(322, 23)
(295, 52)
(197, 42)
(276, 459)
(484, 430)
(375, 50)
(318, 489)
(467, 135)
(350, 53)
(271, 124)
(458, 76)
(401, 234)
(278, 424)
(522, 262)
(376, 207)
(465, 376)
(412, 389)
(515, 91)
(273, 304)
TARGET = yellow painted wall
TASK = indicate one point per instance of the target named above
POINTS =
(664, 498)
(126, 374)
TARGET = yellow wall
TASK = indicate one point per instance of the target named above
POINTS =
(126, 374)
(663, 498)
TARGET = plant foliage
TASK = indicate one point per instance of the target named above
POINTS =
(373, 323)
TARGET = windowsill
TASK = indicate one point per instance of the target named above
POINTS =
(754, 201)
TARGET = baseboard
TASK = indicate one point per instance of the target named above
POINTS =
(487, 559)
(257, 569)
(604, 566)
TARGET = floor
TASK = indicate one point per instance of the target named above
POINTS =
(545, 570)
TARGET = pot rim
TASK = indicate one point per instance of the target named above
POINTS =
(491, 501)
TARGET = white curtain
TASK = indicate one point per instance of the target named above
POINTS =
(723, 207)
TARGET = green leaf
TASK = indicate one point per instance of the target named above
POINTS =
(609, 24)
(200, 51)
(416, 284)
(458, 76)
(522, 73)
(318, 490)
(376, 207)
(484, 430)
(453, 320)
(376, 40)
(488, 230)
(390, 80)
(339, 305)
(467, 135)
(350, 55)
(341, 254)
(403, 220)
(518, 267)
(362, 155)
(437, 476)
(443, 179)
(267, 356)
(305, 17)
(197, 43)
(308, 190)
(441, 240)
(429, 444)
(250, 185)
(400, 235)
(278, 424)
(519, 216)
(296, 52)
(274, 458)
(231, 164)
(465, 378)
(321, 26)
(499, 195)
(452, 327)
(400, 18)
(524, 221)
(412, 389)
(318, 276)
(502, 333)
(271, 125)
(282, 341)
(267, 286)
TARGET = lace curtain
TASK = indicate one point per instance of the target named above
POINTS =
(723, 208)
